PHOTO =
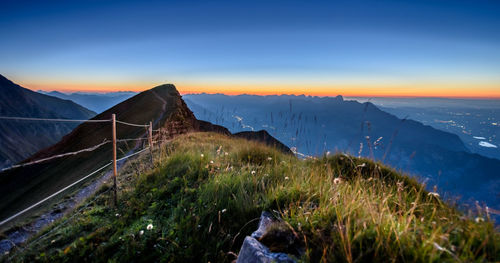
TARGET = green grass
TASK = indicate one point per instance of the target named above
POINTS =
(206, 191)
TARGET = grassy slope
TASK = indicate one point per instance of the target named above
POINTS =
(199, 210)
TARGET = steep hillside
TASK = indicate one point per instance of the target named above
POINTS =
(206, 191)
(162, 105)
(319, 124)
(20, 139)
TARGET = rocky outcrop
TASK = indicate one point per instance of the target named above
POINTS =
(273, 241)
(252, 251)
(264, 137)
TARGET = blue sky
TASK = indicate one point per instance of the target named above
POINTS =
(273, 46)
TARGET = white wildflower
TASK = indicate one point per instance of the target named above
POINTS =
(117, 215)
(328, 153)
(479, 219)
(202, 155)
(53, 241)
(360, 149)
(400, 186)
(286, 178)
(149, 227)
(141, 232)
(269, 158)
(211, 162)
(226, 153)
(337, 180)
(434, 194)
(361, 165)
(224, 210)
(253, 172)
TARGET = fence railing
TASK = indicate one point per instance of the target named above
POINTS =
(113, 161)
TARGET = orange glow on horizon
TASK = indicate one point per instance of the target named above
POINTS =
(480, 91)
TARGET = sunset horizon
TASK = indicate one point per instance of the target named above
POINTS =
(390, 91)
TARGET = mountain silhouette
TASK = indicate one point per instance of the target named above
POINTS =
(97, 102)
(20, 139)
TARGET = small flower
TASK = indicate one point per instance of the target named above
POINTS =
(253, 172)
(362, 165)
(479, 219)
(224, 210)
(202, 155)
(286, 178)
(337, 180)
(328, 153)
(433, 194)
(211, 162)
(53, 241)
(269, 158)
(149, 227)
(117, 215)
(141, 232)
(400, 186)
(226, 153)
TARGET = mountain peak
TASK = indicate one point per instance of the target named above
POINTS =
(166, 88)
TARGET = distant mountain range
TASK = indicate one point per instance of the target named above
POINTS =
(316, 125)
(97, 102)
(475, 121)
(20, 139)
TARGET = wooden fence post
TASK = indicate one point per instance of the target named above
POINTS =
(115, 172)
(150, 139)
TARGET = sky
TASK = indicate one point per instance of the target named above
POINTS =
(353, 48)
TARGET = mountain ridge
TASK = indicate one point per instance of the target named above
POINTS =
(20, 139)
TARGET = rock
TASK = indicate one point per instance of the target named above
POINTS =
(266, 219)
(256, 252)
(252, 251)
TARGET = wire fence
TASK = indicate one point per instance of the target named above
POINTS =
(132, 124)
(74, 153)
(90, 149)
(44, 119)
(59, 225)
(54, 194)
